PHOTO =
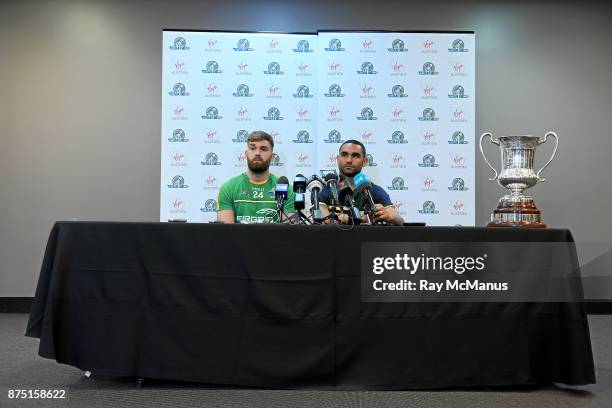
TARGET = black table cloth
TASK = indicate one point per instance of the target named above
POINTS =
(279, 306)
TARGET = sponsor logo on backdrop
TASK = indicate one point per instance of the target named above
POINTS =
(276, 137)
(367, 92)
(302, 160)
(211, 136)
(179, 113)
(302, 92)
(212, 67)
(243, 45)
(335, 45)
(367, 68)
(303, 46)
(335, 68)
(242, 91)
(457, 138)
(211, 159)
(428, 184)
(428, 161)
(177, 159)
(397, 137)
(178, 181)
(334, 91)
(397, 184)
(367, 46)
(398, 69)
(428, 47)
(457, 92)
(240, 158)
(332, 160)
(400, 208)
(241, 136)
(397, 92)
(276, 161)
(302, 137)
(179, 44)
(273, 114)
(429, 115)
(458, 116)
(458, 184)
(429, 68)
(242, 114)
(371, 162)
(457, 161)
(334, 114)
(212, 113)
(458, 46)
(273, 46)
(334, 136)
(273, 69)
(302, 69)
(398, 161)
(178, 89)
(243, 69)
(178, 206)
(428, 92)
(179, 68)
(367, 114)
(178, 136)
(273, 91)
(397, 46)
(212, 183)
(367, 137)
(209, 206)
(429, 207)
(303, 115)
(458, 208)
(428, 138)
(212, 91)
(212, 45)
(397, 114)
(458, 69)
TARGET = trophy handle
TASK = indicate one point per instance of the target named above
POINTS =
(541, 141)
(494, 141)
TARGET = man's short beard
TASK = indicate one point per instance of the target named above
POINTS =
(259, 167)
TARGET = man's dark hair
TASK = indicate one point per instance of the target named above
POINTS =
(353, 141)
(259, 135)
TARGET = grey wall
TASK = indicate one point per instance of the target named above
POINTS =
(80, 102)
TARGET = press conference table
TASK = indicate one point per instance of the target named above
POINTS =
(279, 306)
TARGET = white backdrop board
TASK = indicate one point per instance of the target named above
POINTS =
(409, 97)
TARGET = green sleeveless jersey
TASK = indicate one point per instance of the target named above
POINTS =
(252, 202)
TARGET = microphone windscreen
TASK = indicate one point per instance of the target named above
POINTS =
(282, 180)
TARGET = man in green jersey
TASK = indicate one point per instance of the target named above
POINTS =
(250, 197)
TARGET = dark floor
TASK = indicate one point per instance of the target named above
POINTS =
(22, 368)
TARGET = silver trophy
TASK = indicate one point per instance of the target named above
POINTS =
(517, 209)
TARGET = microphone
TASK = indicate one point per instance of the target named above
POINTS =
(331, 180)
(364, 186)
(299, 188)
(281, 192)
(315, 185)
(346, 197)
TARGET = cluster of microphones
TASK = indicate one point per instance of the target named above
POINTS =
(341, 199)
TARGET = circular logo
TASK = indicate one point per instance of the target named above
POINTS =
(212, 112)
(429, 159)
(180, 43)
(458, 137)
(335, 44)
(211, 158)
(458, 184)
(367, 68)
(429, 68)
(243, 44)
(242, 135)
(398, 136)
(429, 207)
(303, 91)
(397, 183)
(273, 113)
(334, 136)
(429, 113)
(458, 91)
(303, 46)
(242, 90)
(212, 66)
(273, 68)
(178, 89)
(335, 90)
(178, 181)
(211, 205)
(398, 45)
(303, 136)
(367, 113)
(458, 45)
(397, 90)
(275, 160)
(178, 134)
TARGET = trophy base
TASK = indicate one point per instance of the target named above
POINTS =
(516, 212)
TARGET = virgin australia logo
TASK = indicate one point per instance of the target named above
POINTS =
(178, 90)
(428, 161)
(303, 92)
(397, 184)
(302, 137)
(457, 92)
(367, 114)
(302, 46)
(178, 182)
(243, 45)
(273, 114)
(334, 91)
(458, 46)
(429, 115)
(397, 46)
(212, 67)
(429, 68)
(458, 184)
(397, 138)
(211, 159)
(367, 68)
(429, 208)
(209, 206)
(397, 92)
(179, 44)
(178, 136)
(274, 69)
(334, 137)
(242, 91)
(212, 113)
(241, 136)
(335, 45)
(457, 138)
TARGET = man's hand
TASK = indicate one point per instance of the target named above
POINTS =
(387, 214)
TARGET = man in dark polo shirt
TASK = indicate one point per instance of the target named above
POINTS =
(351, 159)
